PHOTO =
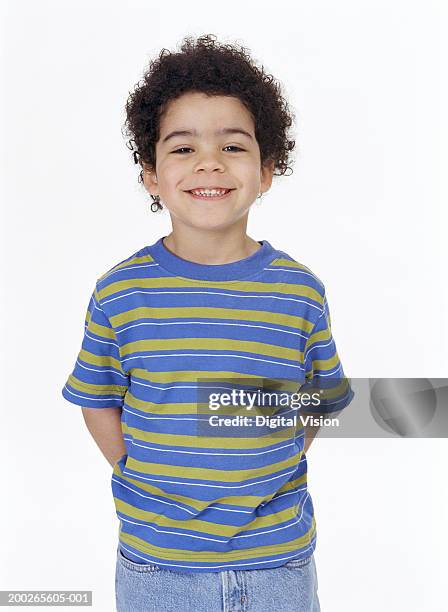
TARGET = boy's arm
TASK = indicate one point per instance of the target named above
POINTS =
(310, 432)
(105, 427)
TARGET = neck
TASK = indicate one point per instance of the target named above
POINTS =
(211, 246)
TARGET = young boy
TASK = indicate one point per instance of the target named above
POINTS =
(212, 517)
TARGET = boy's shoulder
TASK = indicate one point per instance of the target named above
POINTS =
(134, 261)
(291, 267)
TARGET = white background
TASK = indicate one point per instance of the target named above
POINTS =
(365, 209)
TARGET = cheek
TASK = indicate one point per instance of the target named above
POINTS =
(170, 175)
(250, 173)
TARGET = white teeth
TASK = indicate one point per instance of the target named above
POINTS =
(209, 192)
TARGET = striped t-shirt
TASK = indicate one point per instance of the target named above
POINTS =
(160, 332)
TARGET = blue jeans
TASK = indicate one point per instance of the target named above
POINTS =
(150, 588)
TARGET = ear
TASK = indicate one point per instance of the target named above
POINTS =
(150, 179)
(266, 174)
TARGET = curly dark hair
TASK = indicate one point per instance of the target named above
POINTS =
(207, 66)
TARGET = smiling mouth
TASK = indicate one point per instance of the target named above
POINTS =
(198, 196)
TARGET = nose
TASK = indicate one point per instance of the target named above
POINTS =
(209, 162)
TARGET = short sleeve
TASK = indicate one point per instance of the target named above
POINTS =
(98, 379)
(323, 370)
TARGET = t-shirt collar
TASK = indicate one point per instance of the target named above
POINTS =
(219, 272)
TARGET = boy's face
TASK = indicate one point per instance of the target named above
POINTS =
(206, 158)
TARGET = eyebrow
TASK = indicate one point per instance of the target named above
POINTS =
(222, 131)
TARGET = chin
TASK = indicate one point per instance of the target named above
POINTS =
(218, 224)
